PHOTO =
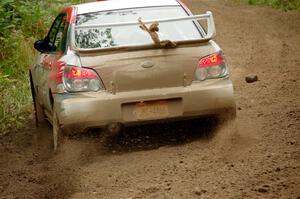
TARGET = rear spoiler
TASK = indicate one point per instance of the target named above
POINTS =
(208, 16)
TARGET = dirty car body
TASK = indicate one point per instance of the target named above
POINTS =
(129, 62)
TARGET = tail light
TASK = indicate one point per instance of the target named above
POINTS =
(78, 79)
(210, 67)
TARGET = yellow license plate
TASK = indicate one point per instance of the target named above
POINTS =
(151, 110)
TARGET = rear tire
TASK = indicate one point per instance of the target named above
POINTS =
(38, 109)
(39, 113)
(57, 133)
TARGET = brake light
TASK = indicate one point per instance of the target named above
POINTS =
(80, 73)
(211, 60)
(212, 66)
(78, 79)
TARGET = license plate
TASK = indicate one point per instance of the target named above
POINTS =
(151, 110)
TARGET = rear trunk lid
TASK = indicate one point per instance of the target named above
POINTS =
(123, 71)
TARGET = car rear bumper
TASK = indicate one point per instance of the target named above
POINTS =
(92, 110)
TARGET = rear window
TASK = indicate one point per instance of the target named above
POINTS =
(131, 35)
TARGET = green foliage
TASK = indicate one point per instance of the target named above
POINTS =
(5, 14)
(21, 23)
(283, 4)
(14, 88)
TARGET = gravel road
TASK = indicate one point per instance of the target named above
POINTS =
(255, 156)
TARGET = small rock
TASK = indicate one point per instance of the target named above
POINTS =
(239, 108)
(199, 192)
(251, 78)
(262, 190)
(277, 169)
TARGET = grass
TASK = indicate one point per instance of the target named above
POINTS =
(282, 4)
(15, 96)
(22, 22)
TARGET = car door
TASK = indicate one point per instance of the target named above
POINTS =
(55, 39)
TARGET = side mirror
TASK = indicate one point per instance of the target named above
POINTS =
(43, 45)
(40, 45)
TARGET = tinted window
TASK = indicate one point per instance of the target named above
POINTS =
(60, 40)
(57, 33)
(132, 35)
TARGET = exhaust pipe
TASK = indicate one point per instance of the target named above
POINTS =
(114, 128)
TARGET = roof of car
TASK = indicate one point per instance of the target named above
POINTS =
(121, 4)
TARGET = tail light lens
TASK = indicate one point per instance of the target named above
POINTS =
(78, 79)
(212, 66)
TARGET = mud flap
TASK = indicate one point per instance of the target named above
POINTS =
(57, 133)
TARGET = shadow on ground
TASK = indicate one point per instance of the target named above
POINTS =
(152, 136)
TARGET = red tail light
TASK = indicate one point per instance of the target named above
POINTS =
(78, 79)
(212, 66)
(211, 60)
(80, 73)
